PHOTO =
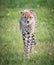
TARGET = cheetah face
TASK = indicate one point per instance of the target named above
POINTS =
(27, 17)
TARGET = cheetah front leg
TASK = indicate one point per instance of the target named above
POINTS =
(27, 45)
(32, 44)
(27, 51)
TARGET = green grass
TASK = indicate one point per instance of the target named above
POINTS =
(11, 43)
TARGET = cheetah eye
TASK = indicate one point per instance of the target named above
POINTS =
(30, 17)
(25, 17)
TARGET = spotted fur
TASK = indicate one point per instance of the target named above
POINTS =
(28, 31)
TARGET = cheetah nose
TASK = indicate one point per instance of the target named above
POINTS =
(27, 21)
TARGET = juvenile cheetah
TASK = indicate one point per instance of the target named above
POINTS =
(27, 26)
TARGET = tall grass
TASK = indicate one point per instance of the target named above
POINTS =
(11, 43)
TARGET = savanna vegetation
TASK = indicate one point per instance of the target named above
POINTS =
(11, 44)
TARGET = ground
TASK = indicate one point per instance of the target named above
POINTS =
(11, 44)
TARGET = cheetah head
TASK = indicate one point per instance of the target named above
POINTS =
(27, 17)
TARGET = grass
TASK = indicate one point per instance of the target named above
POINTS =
(11, 44)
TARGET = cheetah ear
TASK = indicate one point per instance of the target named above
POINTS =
(21, 13)
(31, 11)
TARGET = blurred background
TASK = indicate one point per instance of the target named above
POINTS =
(11, 44)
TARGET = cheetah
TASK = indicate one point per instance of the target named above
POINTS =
(27, 26)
